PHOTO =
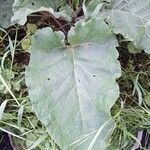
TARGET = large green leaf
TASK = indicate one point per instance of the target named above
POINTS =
(131, 18)
(22, 8)
(72, 88)
(5, 13)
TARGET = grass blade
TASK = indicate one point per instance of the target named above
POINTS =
(2, 108)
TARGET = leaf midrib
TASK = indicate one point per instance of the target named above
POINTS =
(73, 61)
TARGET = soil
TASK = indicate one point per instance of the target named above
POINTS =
(5, 142)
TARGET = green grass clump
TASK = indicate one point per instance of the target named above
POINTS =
(16, 115)
(131, 111)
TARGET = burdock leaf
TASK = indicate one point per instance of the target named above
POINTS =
(131, 18)
(72, 88)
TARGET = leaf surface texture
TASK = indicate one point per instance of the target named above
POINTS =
(6, 13)
(131, 18)
(72, 88)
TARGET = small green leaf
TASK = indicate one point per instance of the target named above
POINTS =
(8, 74)
(31, 28)
(16, 85)
(26, 44)
(147, 99)
(132, 48)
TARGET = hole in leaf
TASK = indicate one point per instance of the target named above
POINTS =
(58, 8)
(32, 4)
